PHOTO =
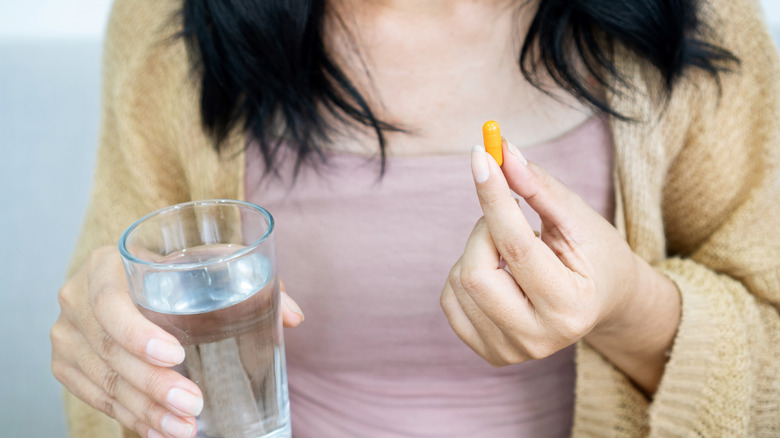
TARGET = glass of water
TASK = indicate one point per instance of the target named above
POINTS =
(205, 271)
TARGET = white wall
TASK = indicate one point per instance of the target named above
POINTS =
(772, 8)
(49, 111)
(53, 18)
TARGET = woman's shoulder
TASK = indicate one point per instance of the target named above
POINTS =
(147, 76)
(732, 23)
(142, 46)
(135, 25)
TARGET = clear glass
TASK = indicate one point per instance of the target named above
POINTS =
(205, 271)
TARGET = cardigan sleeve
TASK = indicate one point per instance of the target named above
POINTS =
(719, 223)
(722, 215)
(137, 168)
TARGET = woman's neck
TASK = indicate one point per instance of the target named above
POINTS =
(440, 68)
(440, 25)
(430, 8)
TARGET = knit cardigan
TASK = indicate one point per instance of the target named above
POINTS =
(697, 183)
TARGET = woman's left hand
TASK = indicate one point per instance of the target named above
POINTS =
(579, 280)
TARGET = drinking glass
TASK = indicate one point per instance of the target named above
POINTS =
(205, 271)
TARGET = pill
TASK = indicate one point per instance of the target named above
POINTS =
(491, 135)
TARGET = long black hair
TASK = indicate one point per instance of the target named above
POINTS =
(262, 64)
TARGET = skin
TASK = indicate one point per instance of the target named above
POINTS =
(101, 347)
(435, 69)
(580, 280)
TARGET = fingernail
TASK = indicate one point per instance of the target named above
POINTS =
(291, 305)
(185, 401)
(154, 434)
(165, 351)
(176, 427)
(479, 164)
(515, 151)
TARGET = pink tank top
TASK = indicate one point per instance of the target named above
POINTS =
(366, 259)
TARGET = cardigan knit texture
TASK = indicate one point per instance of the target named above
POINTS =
(697, 182)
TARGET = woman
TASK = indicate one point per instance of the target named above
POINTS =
(660, 117)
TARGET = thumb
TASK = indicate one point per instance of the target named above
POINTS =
(555, 203)
(292, 315)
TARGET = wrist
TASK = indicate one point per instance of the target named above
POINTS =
(640, 330)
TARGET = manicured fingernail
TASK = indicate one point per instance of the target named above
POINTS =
(479, 164)
(165, 351)
(185, 401)
(176, 427)
(154, 434)
(515, 151)
(291, 305)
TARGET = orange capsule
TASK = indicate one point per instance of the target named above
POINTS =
(491, 135)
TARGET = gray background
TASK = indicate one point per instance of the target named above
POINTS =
(49, 111)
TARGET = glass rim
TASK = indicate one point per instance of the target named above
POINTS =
(126, 255)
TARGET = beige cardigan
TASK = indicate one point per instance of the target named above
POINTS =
(698, 196)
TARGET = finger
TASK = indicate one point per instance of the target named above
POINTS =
(491, 342)
(118, 316)
(85, 390)
(532, 263)
(470, 324)
(460, 322)
(492, 289)
(292, 315)
(556, 205)
(124, 394)
(567, 220)
(475, 329)
(165, 386)
(68, 347)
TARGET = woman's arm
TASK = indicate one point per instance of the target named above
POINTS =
(580, 280)
(700, 193)
(721, 210)
(108, 357)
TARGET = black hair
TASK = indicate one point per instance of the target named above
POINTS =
(667, 33)
(263, 66)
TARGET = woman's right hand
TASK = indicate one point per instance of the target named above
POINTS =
(109, 355)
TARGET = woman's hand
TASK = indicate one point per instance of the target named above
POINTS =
(111, 357)
(580, 280)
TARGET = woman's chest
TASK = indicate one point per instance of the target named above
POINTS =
(444, 116)
(362, 252)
